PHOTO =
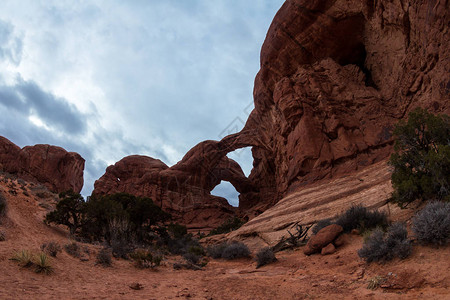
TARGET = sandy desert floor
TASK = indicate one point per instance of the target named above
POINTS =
(342, 275)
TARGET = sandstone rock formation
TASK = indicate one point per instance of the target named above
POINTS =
(335, 76)
(52, 166)
(184, 189)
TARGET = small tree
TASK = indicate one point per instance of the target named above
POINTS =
(422, 158)
(69, 211)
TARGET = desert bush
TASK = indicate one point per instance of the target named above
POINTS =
(382, 246)
(192, 258)
(321, 224)
(121, 238)
(51, 248)
(196, 249)
(264, 257)
(359, 217)
(145, 259)
(69, 211)
(24, 258)
(176, 230)
(2, 236)
(431, 225)
(2, 206)
(104, 257)
(183, 245)
(421, 159)
(42, 264)
(140, 213)
(215, 251)
(73, 249)
(235, 250)
(228, 226)
(374, 282)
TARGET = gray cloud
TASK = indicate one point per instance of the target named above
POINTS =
(11, 46)
(114, 78)
(29, 99)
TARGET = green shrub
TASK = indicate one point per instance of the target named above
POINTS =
(421, 159)
(431, 225)
(140, 215)
(264, 257)
(382, 246)
(321, 224)
(235, 250)
(215, 251)
(359, 217)
(51, 248)
(73, 249)
(104, 257)
(69, 211)
(176, 230)
(183, 245)
(145, 259)
(24, 258)
(228, 226)
(42, 264)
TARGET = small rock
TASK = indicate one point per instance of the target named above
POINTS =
(340, 241)
(360, 273)
(355, 232)
(329, 249)
(136, 286)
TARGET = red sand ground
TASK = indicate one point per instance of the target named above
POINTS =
(343, 275)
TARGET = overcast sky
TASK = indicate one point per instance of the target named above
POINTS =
(109, 78)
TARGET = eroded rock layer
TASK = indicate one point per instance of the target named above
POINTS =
(335, 76)
(52, 166)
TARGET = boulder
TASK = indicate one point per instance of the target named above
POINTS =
(52, 166)
(324, 237)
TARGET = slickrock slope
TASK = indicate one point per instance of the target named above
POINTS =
(53, 166)
(370, 187)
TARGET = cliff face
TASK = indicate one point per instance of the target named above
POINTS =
(335, 76)
(52, 166)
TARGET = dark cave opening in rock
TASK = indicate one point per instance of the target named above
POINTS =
(358, 58)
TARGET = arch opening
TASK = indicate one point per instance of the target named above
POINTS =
(244, 158)
(226, 190)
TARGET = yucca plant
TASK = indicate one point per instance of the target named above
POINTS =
(42, 262)
(24, 258)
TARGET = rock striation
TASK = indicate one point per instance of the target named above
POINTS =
(52, 166)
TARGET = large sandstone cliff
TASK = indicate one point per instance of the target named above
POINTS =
(52, 166)
(335, 76)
